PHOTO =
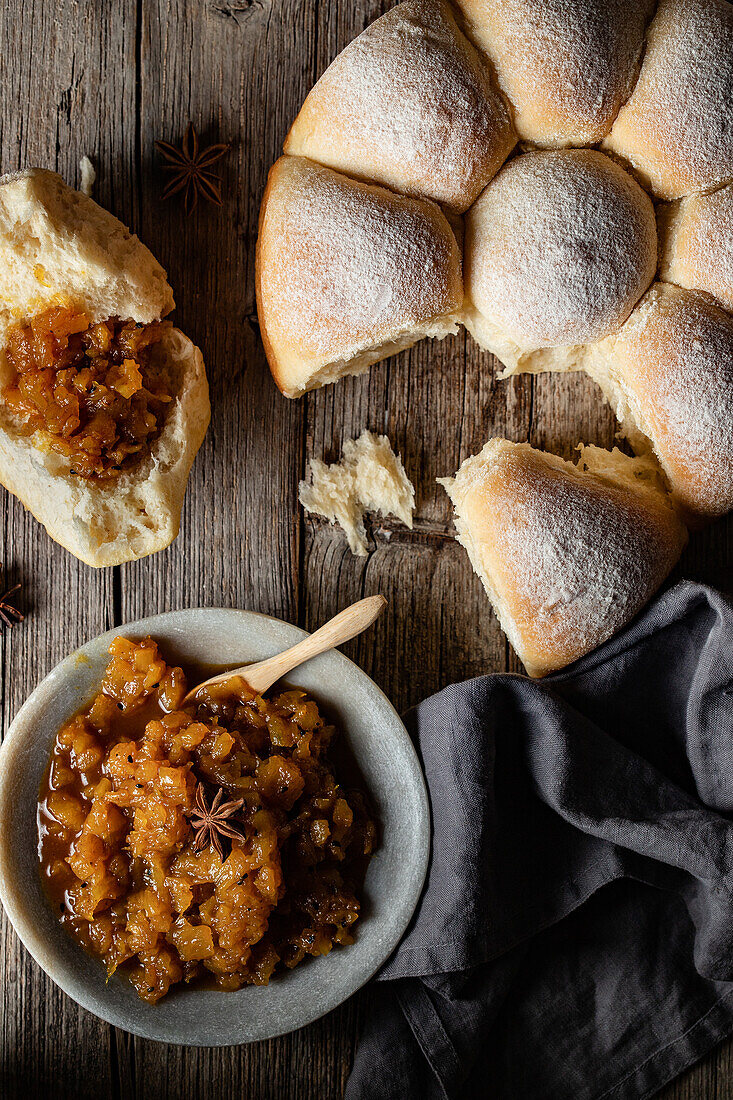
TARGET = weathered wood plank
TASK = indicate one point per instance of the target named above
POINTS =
(57, 105)
(222, 66)
(113, 79)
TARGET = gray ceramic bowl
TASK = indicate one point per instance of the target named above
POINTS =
(380, 747)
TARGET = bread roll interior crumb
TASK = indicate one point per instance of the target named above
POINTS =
(370, 477)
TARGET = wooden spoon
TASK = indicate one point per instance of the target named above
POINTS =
(262, 675)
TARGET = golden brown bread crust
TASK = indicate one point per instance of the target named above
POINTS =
(696, 243)
(408, 104)
(567, 556)
(348, 273)
(566, 66)
(669, 375)
(558, 250)
(675, 128)
(58, 247)
(108, 523)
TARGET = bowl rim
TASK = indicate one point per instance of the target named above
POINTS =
(78, 990)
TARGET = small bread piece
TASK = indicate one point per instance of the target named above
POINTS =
(411, 105)
(369, 478)
(558, 250)
(566, 66)
(669, 376)
(348, 274)
(567, 554)
(58, 248)
(675, 129)
(696, 243)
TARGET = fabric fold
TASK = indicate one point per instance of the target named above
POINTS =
(575, 936)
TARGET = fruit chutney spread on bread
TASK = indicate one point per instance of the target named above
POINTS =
(103, 402)
(95, 393)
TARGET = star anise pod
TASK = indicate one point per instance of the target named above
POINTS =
(190, 169)
(9, 614)
(211, 822)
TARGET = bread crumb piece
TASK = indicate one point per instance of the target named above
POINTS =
(88, 176)
(369, 478)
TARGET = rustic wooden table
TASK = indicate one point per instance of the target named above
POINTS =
(106, 79)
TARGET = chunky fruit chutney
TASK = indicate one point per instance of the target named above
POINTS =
(206, 840)
(95, 393)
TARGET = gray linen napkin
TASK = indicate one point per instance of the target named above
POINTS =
(575, 936)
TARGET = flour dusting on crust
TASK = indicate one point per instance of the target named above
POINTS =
(559, 248)
(676, 128)
(410, 104)
(696, 244)
(345, 267)
(567, 557)
(565, 65)
(669, 376)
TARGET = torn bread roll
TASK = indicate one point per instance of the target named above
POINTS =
(668, 375)
(411, 105)
(675, 129)
(369, 477)
(566, 66)
(102, 406)
(696, 243)
(348, 274)
(567, 554)
(558, 250)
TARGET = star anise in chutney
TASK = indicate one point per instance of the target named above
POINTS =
(190, 169)
(211, 822)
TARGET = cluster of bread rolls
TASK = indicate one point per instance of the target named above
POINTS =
(435, 176)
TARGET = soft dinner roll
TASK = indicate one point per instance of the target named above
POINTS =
(669, 376)
(676, 128)
(558, 250)
(696, 243)
(409, 104)
(348, 274)
(58, 248)
(567, 554)
(565, 65)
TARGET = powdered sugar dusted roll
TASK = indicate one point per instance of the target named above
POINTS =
(558, 250)
(410, 104)
(676, 127)
(565, 65)
(567, 554)
(669, 376)
(696, 243)
(348, 274)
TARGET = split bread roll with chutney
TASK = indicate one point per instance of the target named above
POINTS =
(696, 243)
(347, 274)
(558, 250)
(102, 406)
(675, 129)
(411, 105)
(567, 554)
(566, 66)
(668, 374)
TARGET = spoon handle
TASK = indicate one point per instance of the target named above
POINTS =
(341, 628)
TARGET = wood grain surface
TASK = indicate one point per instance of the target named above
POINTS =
(106, 79)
